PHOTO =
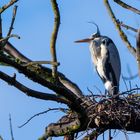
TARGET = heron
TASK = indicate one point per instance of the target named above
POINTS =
(106, 59)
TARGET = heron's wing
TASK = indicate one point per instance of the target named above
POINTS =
(114, 60)
(108, 74)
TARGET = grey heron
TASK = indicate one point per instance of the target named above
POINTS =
(106, 59)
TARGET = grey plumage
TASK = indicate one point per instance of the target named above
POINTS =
(106, 59)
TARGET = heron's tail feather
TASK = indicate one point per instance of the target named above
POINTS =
(111, 89)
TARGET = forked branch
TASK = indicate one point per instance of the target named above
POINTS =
(121, 33)
(13, 20)
(3, 8)
(127, 27)
(126, 6)
(32, 93)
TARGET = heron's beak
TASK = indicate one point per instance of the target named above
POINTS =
(84, 40)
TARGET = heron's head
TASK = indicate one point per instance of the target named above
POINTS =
(92, 37)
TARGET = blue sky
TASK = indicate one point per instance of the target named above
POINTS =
(34, 25)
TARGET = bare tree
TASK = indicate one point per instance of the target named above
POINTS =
(83, 113)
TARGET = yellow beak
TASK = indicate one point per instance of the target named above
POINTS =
(84, 40)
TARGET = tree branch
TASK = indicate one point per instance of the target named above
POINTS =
(3, 8)
(12, 51)
(71, 86)
(40, 113)
(128, 7)
(4, 40)
(109, 113)
(127, 26)
(42, 62)
(54, 34)
(0, 28)
(121, 33)
(11, 129)
(9, 35)
(13, 20)
(138, 50)
(67, 125)
(36, 74)
(29, 92)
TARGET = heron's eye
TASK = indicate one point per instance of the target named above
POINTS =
(104, 42)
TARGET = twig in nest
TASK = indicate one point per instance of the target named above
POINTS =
(125, 82)
(51, 109)
(130, 78)
(90, 91)
(3, 8)
(98, 89)
(130, 91)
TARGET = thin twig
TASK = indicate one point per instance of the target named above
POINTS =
(6, 38)
(9, 35)
(13, 20)
(124, 5)
(36, 94)
(127, 26)
(38, 114)
(121, 33)
(138, 50)
(11, 129)
(54, 35)
(3, 8)
(110, 137)
(130, 77)
(103, 136)
(0, 27)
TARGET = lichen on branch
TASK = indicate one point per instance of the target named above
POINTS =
(54, 35)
